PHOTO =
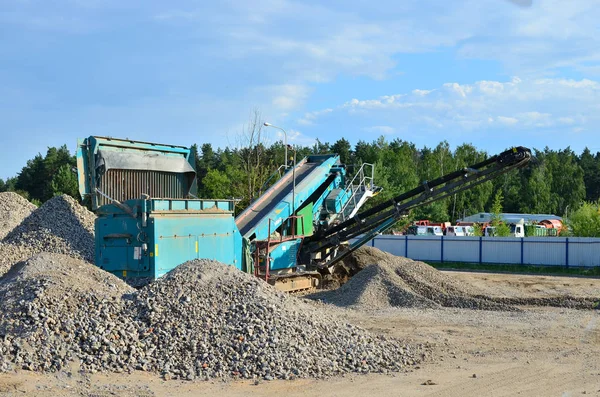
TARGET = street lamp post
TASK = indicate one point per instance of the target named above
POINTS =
(286, 167)
(294, 184)
(285, 163)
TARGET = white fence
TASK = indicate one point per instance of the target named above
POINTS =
(546, 251)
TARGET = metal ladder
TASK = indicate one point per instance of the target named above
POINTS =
(359, 189)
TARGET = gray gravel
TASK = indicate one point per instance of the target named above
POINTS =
(203, 320)
(13, 209)
(393, 281)
(48, 304)
(60, 225)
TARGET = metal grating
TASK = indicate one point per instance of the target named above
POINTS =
(131, 184)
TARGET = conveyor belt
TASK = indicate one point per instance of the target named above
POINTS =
(259, 211)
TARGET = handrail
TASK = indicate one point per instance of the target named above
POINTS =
(279, 174)
(365, 181)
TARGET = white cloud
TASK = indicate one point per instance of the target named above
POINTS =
(523, 104)
(272, 54)
(536, 119)
(296, 137)
(311, 116)
(507, 120)
(286, 97)
(566, 120)
(461, 90)
(381, 129)
(421, 92)
(356, 39)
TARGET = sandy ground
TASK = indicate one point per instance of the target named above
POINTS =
(537, 352)
(511, 285)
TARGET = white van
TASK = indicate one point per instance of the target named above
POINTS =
(456, 231)
(435, 231)
(425, 230)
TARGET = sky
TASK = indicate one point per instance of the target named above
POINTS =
(494, 73)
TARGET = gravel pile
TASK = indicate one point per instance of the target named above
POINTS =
(54, 307)
(11, 254)
(393, 281)
(203, 320)
(13, 209)
(60, 225)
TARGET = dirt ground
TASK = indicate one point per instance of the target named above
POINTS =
(537, 352)
(511, 285)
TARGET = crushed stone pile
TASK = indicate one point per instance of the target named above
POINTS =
(393, 281)
(203, 320)
(53, 306)
(13, 209)
(60, 225)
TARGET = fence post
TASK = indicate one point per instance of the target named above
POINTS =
(522, 244)
(406, 246)
(567, 253)
(480, 249)
(442, 240)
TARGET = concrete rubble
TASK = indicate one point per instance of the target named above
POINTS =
(203, 320)
(13, 209)
(393, 281)
(60, 225)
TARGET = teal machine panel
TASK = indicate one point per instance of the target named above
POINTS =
(284, 255)
(157, 235)
(148, 219)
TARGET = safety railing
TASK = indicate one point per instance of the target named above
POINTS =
(358, 186)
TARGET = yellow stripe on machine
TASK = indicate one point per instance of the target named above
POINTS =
(155, 249)
(196, 247)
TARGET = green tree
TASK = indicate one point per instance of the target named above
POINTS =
(10, 184)
(365, 152)
(217, 184)
(37, 177)
(537, 191)
(567, 184)
(3, 186)
(343, 148)
(65, 182)
(32, 179)
(585, 221)
(591, 174)
(501, 229)
(252, 155)
(473, 200)
(321, 147)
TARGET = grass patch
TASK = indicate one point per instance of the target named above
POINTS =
(522, 269)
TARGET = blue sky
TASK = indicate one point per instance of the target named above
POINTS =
(495, 73)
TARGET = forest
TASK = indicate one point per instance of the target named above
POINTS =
(557, 181)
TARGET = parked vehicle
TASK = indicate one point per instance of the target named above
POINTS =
(426, 222)
(516, 230)
(541, 231)
(416, 230)
(456, 231)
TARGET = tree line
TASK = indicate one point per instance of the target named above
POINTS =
(44, 177)
(556, 181)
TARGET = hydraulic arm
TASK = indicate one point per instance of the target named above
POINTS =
(365, 225)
